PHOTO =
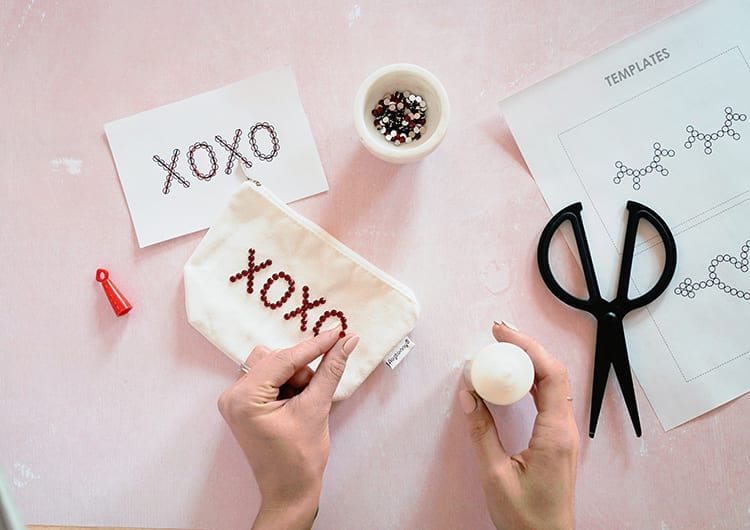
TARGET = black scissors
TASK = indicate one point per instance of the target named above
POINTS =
(611, 348)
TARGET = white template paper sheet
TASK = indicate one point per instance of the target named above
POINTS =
(661, 119)
(178, 164)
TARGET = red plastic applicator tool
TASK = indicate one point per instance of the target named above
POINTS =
(117, 300)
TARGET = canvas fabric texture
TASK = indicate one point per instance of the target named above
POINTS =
(260, 244)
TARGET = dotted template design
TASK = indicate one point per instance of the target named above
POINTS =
(709, 138)
(730, 118)
(714, 108)
(688, 287)
(636, 174)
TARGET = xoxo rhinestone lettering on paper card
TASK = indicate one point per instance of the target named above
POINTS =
(178, 164)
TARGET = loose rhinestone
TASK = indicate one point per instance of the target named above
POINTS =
(400, 117)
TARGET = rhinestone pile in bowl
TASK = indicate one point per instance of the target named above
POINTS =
(400, 117)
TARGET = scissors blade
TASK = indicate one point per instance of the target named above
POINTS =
(621, 365)
(602, 362)
(611, 349)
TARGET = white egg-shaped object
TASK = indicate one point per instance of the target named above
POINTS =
(501, 373)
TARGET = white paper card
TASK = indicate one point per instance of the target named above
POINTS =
(179, 163)
(662, 119)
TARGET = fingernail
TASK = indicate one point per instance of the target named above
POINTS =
(467, 401)
(333, 327)
(467, 375)
(350, 344)
(506, 324)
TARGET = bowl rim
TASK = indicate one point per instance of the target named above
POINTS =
(400, 153)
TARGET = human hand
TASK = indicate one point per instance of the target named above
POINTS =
(535, 488)
(278, 412)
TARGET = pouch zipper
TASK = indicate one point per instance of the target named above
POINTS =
(335, 243)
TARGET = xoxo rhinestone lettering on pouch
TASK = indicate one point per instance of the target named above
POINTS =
(266, 275)
(301, 310)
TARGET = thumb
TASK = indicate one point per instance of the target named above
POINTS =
(326, 378)
(488, 448)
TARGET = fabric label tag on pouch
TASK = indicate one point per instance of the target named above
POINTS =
(399, 352)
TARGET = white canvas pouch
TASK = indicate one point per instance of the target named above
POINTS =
(265, 275)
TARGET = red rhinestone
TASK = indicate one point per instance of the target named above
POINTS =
(287, 316)
(342, 334)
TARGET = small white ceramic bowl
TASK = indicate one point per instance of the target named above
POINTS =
(401, 77)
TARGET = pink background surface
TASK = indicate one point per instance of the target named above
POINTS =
(114, 421)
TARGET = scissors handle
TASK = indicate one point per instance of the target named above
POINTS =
(636, 212)
(595, 304)
(573, 214)
(611, 350)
